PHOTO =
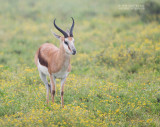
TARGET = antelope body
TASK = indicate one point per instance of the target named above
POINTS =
(55, 62)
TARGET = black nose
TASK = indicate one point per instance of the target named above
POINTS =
(74, 52)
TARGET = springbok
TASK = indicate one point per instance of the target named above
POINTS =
(55, 62)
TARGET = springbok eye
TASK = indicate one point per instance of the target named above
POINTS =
(66, 43)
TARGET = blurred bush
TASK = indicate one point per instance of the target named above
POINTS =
(151, 12)
(130, 60)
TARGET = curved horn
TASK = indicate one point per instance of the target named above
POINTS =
(64, 33)
(71, 30)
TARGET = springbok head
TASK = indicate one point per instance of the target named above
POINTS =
(67, 40)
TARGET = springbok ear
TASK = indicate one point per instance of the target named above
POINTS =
(68, 32)
(57, 36)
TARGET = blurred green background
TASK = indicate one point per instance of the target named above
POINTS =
(115, 78)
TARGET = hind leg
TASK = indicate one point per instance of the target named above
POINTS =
(44, 79)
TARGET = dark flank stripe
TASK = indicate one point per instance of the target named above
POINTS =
(42, 60)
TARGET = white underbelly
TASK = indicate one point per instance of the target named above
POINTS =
(61, 74)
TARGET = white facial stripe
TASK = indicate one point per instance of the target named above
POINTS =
(66, 39)
(70, 48)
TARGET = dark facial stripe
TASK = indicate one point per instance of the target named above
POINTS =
(42, 60)
(69, 48)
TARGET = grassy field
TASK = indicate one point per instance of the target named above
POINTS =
(115, 78)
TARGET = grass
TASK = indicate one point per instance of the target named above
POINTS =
(115, 78)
